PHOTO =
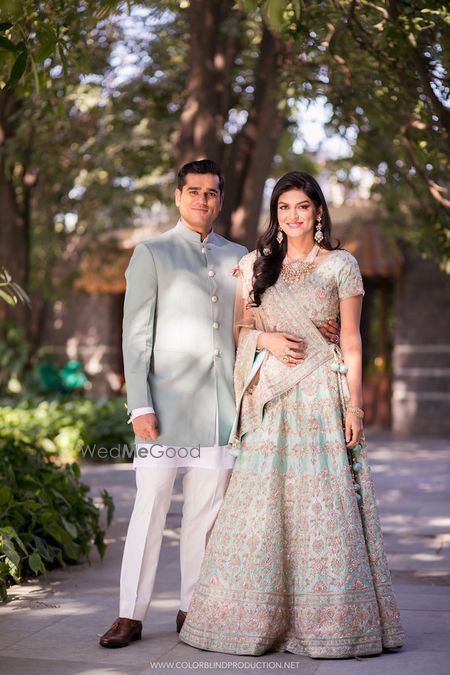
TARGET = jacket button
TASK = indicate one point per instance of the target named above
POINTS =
(214, 298)
(215, 324)
(211, 273)
(217, 352)
(203, 249)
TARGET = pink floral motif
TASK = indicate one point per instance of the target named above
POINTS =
(235, 271)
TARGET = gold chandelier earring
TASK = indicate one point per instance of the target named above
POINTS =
(280, 236)
(318, 235)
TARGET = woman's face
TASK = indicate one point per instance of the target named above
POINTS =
(297, 214)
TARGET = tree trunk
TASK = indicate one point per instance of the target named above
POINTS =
(14, 227)
(212, 53)
(245, 218)
(215, 29)
(254, 147)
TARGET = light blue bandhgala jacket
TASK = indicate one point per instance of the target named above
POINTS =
(178, 346)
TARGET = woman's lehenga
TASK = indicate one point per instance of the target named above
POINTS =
(295, 562)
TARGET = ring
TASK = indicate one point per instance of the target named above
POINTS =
(285, 358)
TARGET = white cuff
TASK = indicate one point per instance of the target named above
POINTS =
(137, 412)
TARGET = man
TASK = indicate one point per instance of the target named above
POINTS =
(179, 354)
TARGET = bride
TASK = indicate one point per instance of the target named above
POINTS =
(296, 560)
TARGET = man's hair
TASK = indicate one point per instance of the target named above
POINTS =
(201, 166)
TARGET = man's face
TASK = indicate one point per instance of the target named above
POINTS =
(200, 201)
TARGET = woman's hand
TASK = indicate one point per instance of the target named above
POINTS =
(353, 429)
(286, 347)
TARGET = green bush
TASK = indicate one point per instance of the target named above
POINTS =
(64, 427)
(46, 517)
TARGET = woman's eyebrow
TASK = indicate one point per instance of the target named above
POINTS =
(304, 201)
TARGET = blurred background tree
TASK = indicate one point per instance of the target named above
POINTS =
(101, 102)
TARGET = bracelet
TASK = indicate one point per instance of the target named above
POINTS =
(356, 411)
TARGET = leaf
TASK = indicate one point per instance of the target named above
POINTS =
(10, 299)
(70, 527)
(44, 549)
(58, 533)
(45, 32)
(63, 57)
(8, 550)
(45, 51)
(297, 5)
(35, 75)
(31, 505)
(275, 14)
(5, 494)
(11, 533)
(248, 6)
(5, 43)
(35, 563)
(100, 543)
(72, 551)
(109, 503)
(17, 70)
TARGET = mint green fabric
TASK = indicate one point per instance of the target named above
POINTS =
(174, 358)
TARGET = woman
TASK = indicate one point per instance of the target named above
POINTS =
(296, 559)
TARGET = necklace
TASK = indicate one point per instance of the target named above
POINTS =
(297, 270)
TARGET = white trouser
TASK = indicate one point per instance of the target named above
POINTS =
(203, 492)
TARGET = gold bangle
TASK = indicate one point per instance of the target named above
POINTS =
(356, 411)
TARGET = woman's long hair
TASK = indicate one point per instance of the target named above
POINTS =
(267, 267)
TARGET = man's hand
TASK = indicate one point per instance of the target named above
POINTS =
(330, 330)
(146, 427)
(286, 347)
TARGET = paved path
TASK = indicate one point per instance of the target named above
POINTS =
(50, 626)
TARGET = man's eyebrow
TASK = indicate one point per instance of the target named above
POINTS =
(193, 187)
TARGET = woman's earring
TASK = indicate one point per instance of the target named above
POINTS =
(318, 236)
(280, 236)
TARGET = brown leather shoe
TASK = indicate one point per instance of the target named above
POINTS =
(180, 619)
(121, 633)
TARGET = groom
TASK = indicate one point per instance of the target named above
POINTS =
(178, 351)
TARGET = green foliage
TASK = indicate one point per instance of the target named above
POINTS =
(47, 518)
(47, 33)
(11, 292)
(64, 428)
(15, 353)
(388, 71)
(98, 140)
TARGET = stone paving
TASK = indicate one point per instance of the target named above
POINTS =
(50, 625)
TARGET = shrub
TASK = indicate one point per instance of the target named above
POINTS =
(64, 426)
(47, 519)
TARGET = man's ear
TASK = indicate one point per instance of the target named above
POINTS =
(177, 197)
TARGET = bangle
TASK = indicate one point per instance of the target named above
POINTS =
(356, 411)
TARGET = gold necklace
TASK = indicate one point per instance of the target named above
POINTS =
(297, 270)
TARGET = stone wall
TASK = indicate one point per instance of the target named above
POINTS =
(421, 358)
